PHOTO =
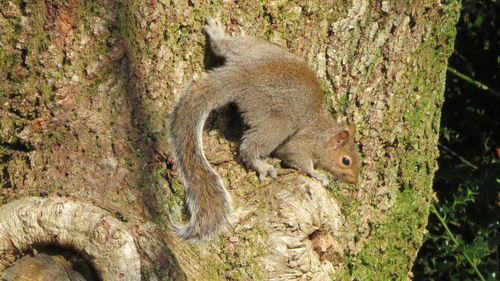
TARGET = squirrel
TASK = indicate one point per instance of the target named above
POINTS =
(281, 101)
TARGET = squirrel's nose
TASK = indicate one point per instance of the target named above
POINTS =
(350, 179)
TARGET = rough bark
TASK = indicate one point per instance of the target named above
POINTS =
(85, 87)
(99, 235)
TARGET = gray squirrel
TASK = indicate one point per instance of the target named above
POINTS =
(281, 101)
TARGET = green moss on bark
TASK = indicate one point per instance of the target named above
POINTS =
(390, 253)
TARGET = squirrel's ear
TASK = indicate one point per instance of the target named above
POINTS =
(352, 129)
(340, 138)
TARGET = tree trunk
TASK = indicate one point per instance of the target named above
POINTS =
(85, 90)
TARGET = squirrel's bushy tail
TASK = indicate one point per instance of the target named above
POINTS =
(207, 200)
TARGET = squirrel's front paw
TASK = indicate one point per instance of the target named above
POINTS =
(321, 177)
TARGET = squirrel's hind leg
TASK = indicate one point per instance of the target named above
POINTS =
(233, 48)
(216, 36)
(214, 29)
(257, 143)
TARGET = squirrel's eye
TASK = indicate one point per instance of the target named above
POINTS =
(346, 161)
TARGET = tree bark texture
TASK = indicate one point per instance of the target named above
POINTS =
(86, 86)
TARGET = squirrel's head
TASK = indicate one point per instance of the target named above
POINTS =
(341, 157)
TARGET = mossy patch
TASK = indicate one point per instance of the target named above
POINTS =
(389, 253)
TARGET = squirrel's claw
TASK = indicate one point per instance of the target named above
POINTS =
(321, 177)
(265, 170)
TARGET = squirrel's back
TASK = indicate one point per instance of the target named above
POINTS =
(271, 89)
